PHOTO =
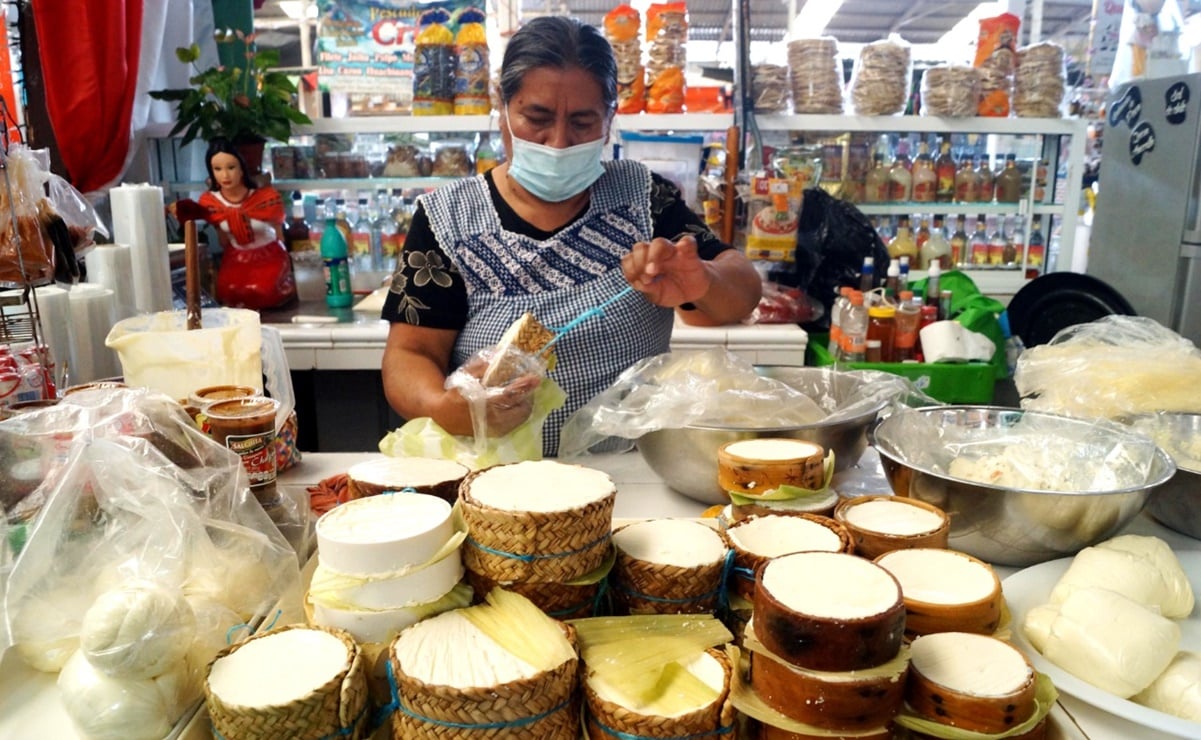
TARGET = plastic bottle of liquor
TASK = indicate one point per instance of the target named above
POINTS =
(925, 178)
(985, 181)
(997, 242)
(1015, 245)
(335, 255)
(965, 181)
(922, 235)
(908, 317)
(1036, 249)
(936, 250)
(959, 243)
(854, 329)
(902, 244)
(297, 237)
(1009, 181)
(944, 168)
(900, 175)
(360, 236)
(978, 244)
(876, 187)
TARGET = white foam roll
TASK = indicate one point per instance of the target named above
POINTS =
(93, 313)
(139, 221)
(111, 266)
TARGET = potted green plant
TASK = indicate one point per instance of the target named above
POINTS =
(246, 104)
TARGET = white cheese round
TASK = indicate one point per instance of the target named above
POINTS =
(448, 650)
(1177, 691)
(277, 669)
(773, 536)
(704, 666)
(830, 585)
(418, 587)
(894, 517)
(381, 534)
(542, 485)
(939, 576)
(970, 664)
(401, 472)
(677, 542)
(773, 448)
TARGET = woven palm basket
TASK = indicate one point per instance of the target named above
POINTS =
(643, 587)
(558, 600)
(542, 707)
(747, 563)
(336, 709)
(605, 720)
(536, 546)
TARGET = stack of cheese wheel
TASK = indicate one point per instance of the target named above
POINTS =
(610, 714)
(883, 523)
(945, 591)
(825, 644)
(757, 539)
(534, 527)
(754, 467)
(454, 680)
(383, 563)
(293, 682)
(668, 566)
(436, 477)
(973, 682)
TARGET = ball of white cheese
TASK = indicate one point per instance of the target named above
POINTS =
(1141, 568)
(107, 708)
(1177, 691)
(138, 631)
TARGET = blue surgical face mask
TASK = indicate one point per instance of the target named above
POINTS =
(554, 175)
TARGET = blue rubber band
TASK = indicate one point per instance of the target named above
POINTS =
(727, 568)
(560, 331)
(229, 633)
(384, 712)
(627, 736)
(537, 556)
(406, 489)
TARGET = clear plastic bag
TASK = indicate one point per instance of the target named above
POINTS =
(815, 71)
(950, 91)
(77, 213)
(25, 257)
(1039, 81)
(129, 490)
(715, 386)
(881, 80)
(1115, 367)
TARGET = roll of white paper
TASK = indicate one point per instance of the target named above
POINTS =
(111, 266)
(93, 313)
(139, 221)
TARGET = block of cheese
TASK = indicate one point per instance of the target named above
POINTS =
(832, 700)
(667, 566)
(436, 477)
(880, 524)
(451, 673)
(1142, 568)
(1177, 691)
(382, 534)
(537, 520)
(1104, 638)
(973, 682)
(828, 611)
(945, 591)
(692, 703)
(757, 539)
(756, 466)
(313, 677)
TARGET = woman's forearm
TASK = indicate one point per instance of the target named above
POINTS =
(734, 289)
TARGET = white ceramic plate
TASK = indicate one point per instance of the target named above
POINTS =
(1032, 586)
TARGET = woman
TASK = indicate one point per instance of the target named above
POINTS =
(552, 231)
(255, 271)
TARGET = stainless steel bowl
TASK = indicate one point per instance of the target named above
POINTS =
(1177, 503)
(1011, 526)
(686, 458)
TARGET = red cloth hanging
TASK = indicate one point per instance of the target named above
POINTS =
(89, 58)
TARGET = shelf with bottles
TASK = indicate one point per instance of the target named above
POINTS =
(923, 124)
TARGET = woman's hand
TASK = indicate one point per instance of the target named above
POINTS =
(667, 273)
(506, 407)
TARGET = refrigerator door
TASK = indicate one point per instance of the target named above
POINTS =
(1148, 195)
(1189, 290)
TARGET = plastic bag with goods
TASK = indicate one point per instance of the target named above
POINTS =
(622, 27)
(1038, 85)
(667, 31)
(769, 88)
(434, 66)
(815, 71)
(950, 91)
(471, 65)
(996, 60)
(880, 82)
(1115, 367)
(25, 257)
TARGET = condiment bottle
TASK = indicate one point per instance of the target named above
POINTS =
(965, 182)
(836, 311)
(985, 181)
(881, 325)
(1009, 181)
(854, 330)
(892, 278)
(944, 168)
(335, 257)
(866, 278)
(873, 353)
(925, 179)
(907, 319)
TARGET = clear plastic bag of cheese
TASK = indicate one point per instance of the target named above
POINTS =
(717, 387)
(144, 554)
(501, 383)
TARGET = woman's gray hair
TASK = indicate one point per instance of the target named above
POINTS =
(556, 41)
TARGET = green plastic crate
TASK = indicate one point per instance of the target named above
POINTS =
(949, 382)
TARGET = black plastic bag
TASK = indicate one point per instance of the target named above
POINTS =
(833, 237)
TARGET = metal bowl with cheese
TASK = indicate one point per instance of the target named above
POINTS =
(1020, 487)
(1177, 504)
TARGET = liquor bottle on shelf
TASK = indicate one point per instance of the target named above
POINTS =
(900, 175)
(1016, 244)
(1036, 249)
(902, 244)
(320, 208)
(996, 241)
(985, 181)
(965, 181)
(936, 250)
(1009, 181)
(959, 243)
(944, 168)
(297, 235)
(342, 221)
(360, 237)
(922, 235)
(877, 187)
(925, 179)
(978, 244)
(383, 227)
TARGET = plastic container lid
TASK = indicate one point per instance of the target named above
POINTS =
(882, 312)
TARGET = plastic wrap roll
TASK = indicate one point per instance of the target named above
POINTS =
(93, 313)
(54, 318)
(138, 221)
(109, 266)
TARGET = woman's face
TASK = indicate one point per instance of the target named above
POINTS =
(558, 108)
(226, 171)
